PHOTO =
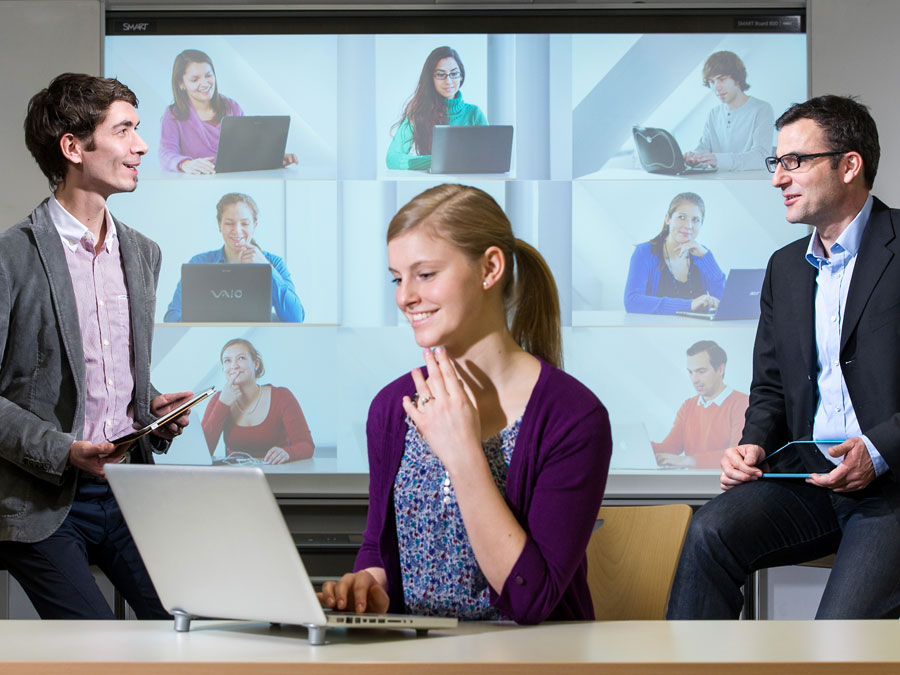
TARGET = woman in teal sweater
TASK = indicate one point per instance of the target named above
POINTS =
(437, 100)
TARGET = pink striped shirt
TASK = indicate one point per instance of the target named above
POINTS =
(101, 296)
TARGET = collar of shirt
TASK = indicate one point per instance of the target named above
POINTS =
(72, 231)
(848, 241)
(718, 400)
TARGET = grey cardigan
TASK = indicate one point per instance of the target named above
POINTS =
(42, 369)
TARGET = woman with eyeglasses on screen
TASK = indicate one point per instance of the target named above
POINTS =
(191, 125)
(258, 421)
(437, 100)
(673, 272)
(487, 471)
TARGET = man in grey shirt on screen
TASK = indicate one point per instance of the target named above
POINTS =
(77, 293)
(738, 133)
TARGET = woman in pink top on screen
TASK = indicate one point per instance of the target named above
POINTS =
(260, 421)
(191, 126)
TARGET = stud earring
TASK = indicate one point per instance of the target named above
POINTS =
(484, 283)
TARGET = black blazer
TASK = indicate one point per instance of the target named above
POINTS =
(784, 393)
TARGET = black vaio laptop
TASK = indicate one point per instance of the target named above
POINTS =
(475, 149)
(226, 293)
(252, 143)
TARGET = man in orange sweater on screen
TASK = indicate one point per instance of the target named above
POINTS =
(709, 422)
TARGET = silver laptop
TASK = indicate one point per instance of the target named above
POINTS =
(252, 143)
(740, 298)
(471, 149)
(227, 293)
(216, 545)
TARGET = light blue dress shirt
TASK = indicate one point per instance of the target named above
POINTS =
(835, 417)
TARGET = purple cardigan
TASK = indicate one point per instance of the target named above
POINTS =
(554, 488)
(191, 138)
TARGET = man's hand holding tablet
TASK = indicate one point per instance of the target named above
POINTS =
(744, 463)
(854, 473)
(740, 465)
(171, 411)
(815, 479)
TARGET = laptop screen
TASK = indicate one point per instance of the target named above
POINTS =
(252, 143)
(230, 293)
(475, 149)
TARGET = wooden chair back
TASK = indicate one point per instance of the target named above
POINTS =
(632, 558)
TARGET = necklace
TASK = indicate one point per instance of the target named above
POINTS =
(255, 404)
(668, 260)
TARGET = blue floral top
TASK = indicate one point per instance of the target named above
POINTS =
(439, 571)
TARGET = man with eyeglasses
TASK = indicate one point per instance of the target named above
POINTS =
(826, 365)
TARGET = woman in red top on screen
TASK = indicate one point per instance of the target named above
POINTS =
(189, 139)
(260, 421)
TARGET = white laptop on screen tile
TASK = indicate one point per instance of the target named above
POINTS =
(632, 448)
(216, 545)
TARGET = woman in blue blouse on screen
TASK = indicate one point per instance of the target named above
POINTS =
(486, 477)
(237, 216)
(437, 100)
(673, 272)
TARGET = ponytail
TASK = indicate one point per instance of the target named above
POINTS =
(534, 305)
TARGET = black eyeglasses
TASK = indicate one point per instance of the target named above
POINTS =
(793, 161)
(441, 75)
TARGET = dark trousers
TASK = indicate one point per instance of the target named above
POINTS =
(55, 572)
(774, 522)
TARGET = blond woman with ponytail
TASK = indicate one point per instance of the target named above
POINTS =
(487, 470)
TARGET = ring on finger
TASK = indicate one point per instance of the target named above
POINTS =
(417, 399)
